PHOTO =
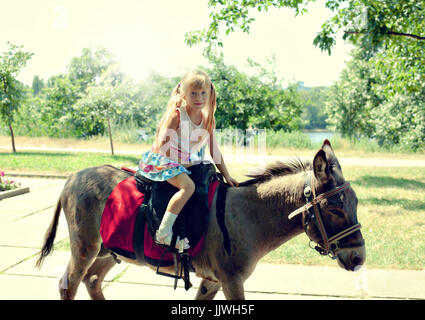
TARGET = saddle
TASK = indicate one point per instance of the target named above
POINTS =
(193, 219)
(134, 210)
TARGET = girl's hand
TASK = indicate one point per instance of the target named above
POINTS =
(231, 181)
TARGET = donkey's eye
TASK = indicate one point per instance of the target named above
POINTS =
(337, 212)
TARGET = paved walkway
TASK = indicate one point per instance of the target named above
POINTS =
(25, 218)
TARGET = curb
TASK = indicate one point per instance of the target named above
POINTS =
(14, 192)
(36, 175)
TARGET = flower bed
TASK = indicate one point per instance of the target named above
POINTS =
(10, 188)
(6, 184)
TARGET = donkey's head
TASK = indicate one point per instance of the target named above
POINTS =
(331, 219)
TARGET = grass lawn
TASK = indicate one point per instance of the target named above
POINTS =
(63, 163)
(391, 206)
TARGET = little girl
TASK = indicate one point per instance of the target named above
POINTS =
(186, 127)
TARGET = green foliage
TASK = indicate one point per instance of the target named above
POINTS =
(101, 102)
(382, 92)
(282, 139)
(55, 108)
(59, 100)
(11, 90)
(87, 68)
(352, 100)
(371, 24)
(226, 15)
(11, 94)
(151, 98)
(37, 85)
(364, 104)
(375, 24)
(70, 106)
(313, 101)
(257, 101)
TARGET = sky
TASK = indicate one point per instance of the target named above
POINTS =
(146, 36)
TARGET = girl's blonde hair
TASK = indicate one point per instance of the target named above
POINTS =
(196, 79)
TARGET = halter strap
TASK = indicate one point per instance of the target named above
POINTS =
(344, 233)
(312, 202)
(317, 199)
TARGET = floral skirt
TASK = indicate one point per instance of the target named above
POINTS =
(159, 168)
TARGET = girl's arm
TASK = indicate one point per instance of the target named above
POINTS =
(219, 161)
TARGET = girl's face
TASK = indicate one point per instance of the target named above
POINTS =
(197, 98)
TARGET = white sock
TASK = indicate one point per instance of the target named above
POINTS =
(167, 223)
(165, 231)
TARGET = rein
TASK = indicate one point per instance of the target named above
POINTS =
(312, 213)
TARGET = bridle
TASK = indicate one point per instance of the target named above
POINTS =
(312, 214)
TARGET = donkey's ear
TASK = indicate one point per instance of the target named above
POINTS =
(326, 146)
(326, 142)
(333, 162)
(321, 167)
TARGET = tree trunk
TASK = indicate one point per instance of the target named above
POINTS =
(110, 136)
(12, 136)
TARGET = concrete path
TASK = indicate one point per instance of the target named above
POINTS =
(25, 218)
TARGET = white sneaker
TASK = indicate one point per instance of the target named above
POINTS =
(166, 240)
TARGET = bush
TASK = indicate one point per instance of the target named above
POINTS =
(294, 139)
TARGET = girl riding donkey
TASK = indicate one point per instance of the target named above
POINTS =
(185, 129)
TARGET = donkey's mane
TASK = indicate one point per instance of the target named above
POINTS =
(279, 168)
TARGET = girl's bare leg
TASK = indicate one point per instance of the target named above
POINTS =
(186, 188)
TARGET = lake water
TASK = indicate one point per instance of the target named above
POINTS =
(319, 136)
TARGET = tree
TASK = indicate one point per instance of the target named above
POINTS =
(352, 99)
(388, 75)
(232, 14)
(392, 31)
(58, 98)
(63, 91)
(371, 23)
(363, 104)
(98, 105)
(37, 85)
(103, 101)
(257, 101)
(313, 101)
(87, 68)
(11, 90)
(150, 99)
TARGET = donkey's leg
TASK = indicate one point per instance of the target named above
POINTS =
(95, 275)
(207, 290)
(233, 289)
(82, 256)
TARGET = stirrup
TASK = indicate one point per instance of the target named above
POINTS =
(184, 268)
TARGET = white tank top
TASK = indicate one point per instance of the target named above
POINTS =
(188, 146)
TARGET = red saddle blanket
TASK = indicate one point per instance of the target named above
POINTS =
(119, 218)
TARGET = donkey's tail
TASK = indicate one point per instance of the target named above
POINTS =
(49, 238)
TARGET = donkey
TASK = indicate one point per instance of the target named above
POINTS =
(261, 214)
